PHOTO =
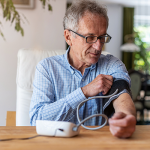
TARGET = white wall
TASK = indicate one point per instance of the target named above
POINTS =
(45, 30)
(115, 14)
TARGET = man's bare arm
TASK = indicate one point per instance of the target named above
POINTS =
(125, 104)
(123, 122)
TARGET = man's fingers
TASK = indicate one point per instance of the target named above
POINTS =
(121, 132)
(109, 77)
(118, 122)
(118, 115)
(124, 122)
(102, 83)
(123, 127)
(106, 84)
(105, 90)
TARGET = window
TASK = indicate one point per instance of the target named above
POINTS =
(142, 37)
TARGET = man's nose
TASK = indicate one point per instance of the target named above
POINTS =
(97, 45)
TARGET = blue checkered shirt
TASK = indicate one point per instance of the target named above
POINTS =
(57, 89)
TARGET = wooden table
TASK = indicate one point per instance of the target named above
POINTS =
(87, 140)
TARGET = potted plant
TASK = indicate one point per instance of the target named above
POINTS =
(142, 58)
(11, 14)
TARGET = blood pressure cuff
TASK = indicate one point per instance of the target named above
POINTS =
(123, 87)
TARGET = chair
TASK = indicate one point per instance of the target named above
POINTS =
(137, 95)
(146, 88)
(27, 61)
(11, 118)
(140, 91)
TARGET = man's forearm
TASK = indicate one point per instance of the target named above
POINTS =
(124, 104)
(122, 124)
(61, 110)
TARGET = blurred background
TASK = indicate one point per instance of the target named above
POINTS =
(42, 28)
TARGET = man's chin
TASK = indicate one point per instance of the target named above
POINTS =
(91, 62)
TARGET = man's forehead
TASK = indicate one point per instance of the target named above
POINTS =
(92, 22)
(89, 17)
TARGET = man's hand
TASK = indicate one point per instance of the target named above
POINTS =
(122, 125)
(102, 83)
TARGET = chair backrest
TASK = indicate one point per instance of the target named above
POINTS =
(136, 83)
(11, 118)
(27, 61)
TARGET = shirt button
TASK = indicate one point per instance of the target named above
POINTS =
(82, 79)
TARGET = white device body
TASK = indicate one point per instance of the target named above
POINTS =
(56, 128)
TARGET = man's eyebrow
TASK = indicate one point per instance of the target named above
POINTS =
(90, 34)
(103, 34)
(94, 34)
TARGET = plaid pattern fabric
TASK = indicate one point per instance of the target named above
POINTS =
(57, 89)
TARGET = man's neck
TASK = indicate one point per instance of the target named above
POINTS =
(76, 63)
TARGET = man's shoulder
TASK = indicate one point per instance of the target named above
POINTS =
(52, 60)
(107, 57)
(110, 63)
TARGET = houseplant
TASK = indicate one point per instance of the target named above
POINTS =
(142, 58)
(11, 14)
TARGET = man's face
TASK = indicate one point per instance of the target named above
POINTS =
(83, 52)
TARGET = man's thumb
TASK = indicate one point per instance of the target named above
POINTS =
(118, 115)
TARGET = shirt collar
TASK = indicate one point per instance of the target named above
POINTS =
(71, 69)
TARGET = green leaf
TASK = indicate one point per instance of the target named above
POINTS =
(17, 26)
(8, 16)
(22, 32)
(5, 13)
(11, 14)
(14, 16)
(2, 4)
(49, 7)
(44, 3)
(2, 35)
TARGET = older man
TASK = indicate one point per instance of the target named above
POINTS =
(62, 82)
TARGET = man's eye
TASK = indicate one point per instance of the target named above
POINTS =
(103, 38)
(91, 38)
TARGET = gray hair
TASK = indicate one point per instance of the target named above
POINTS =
(78, 9)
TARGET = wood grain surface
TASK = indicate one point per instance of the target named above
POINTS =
(86, 140)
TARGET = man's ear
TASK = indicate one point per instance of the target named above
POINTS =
(67, 36)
